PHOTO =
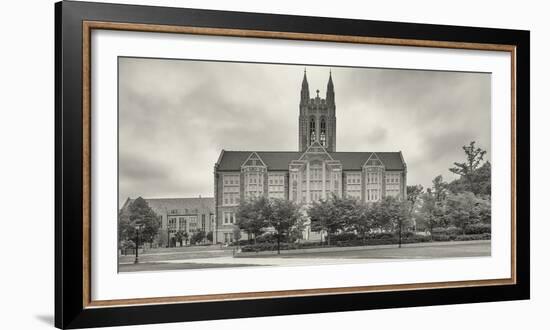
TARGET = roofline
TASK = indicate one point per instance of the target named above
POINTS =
(300, 152)
(373, 153)
(249, 156)
(403, 160)
(219, 158)
(171, 198)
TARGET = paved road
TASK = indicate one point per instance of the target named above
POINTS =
(224, 258)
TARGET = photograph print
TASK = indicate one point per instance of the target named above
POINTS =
(234, 164)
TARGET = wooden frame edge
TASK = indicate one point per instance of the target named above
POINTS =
(89, 25)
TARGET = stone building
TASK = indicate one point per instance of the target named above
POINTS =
(186, 214)
(314, 172)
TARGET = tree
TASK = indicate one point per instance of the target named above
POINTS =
(363, 221)
(326, 217)
(138, 214)
(467, 169)
(480, 185)
(345, 212)
(430, 212)
(413, 196)
(237, 234)
(252, 216)
(181, 236)
(394, 213)
(198, 237)
(465, 209)
(284, 215)
(439, 189)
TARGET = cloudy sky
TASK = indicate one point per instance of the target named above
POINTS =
(175, 116)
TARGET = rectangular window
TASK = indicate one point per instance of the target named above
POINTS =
(182, 224)
(276, 185)
(228, 218)
(231, 189)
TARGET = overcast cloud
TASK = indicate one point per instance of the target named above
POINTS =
(175, 117)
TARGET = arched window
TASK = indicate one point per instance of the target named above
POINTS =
(312, 135)
(323, 136)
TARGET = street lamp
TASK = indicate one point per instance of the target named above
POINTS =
(137, 227)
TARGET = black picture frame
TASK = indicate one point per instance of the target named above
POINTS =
(70, 309)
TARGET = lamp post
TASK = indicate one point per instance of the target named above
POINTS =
(137, 243)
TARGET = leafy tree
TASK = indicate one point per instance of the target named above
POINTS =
(414, 194)
(345, 212)
(138, 214)
(465, 209)
(439, 189)
(283, 216)
(363, 222)
(237, 234)
(198, 237)
(394, 213)
(252, 216)
(181, 236)
(327, 215)
(431, 212)
(480, 185)
(467, 169)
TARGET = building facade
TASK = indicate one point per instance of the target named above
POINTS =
(313, 173)
(181, 214)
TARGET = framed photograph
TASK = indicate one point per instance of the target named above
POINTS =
(214, 164)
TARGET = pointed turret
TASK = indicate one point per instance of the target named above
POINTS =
(304, 96)
(330, 89)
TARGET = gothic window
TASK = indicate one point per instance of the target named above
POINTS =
(323, 137)
(312, 130)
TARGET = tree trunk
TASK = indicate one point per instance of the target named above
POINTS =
(400, 228)
(328, 238)
(278, 243)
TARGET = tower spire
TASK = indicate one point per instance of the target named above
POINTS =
(330, 88)
(304, 95)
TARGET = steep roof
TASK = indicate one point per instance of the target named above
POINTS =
(279, 160)
(163, 205)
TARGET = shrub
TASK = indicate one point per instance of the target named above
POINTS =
(447, 231)
(343, 237)
(440, 238)
(381, 235)
(484, 236)
(480, 228)
(127, 244)
(266, 238)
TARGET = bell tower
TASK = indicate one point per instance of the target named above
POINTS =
(317, 120)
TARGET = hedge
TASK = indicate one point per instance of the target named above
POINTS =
(480, 228)
(359, 242)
